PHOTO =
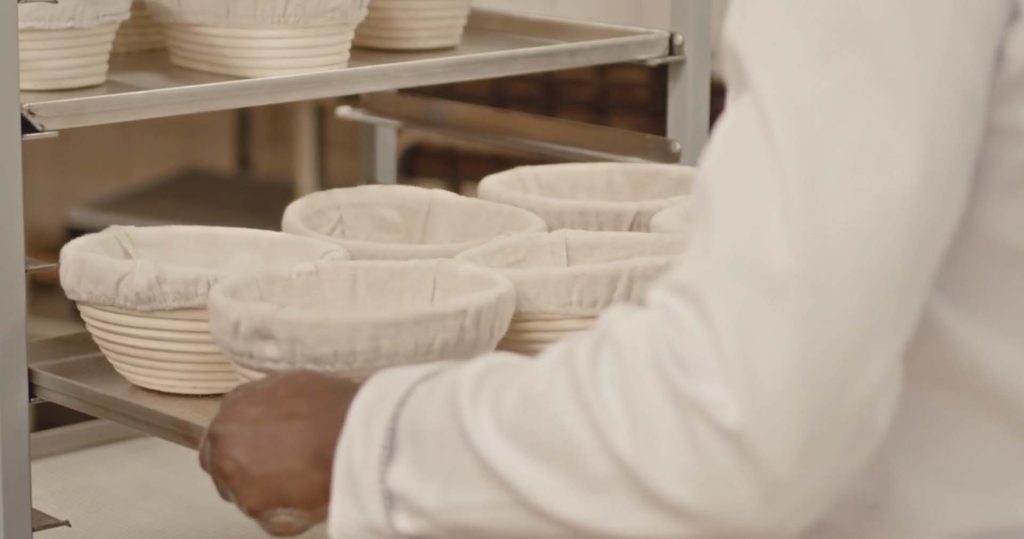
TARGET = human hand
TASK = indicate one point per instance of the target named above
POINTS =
(270, 449)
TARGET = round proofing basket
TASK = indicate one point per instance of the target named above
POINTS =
(355, 318)
(61, 59)
(142, 293)
(398, 222)
(413, 24)
(592, 196)
(168, 351)
(260, 52)
(565, 279)
(529, 335)
(140, 33)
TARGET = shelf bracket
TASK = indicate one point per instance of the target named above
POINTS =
(42, 522)
(34, 265)
(677, 52)
(30, 130)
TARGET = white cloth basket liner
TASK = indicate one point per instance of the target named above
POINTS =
(672, 220)
(398, 222)
(173, 267)
(565, 279)
(72, 14)
(259, 13)
(592, 196)
(355, 318)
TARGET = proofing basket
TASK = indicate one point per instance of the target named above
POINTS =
(397, 222)
(592, 196)
(355, 318)
(564, 280)
(143, 294)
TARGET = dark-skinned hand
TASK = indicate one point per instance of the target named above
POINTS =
(271, 447)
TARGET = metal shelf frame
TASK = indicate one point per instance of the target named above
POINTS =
(70, 371)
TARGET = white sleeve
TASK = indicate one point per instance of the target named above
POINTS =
(762, 372)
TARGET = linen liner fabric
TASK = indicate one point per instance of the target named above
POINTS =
(173, 267)
(576, 274)
(72, 14)
(259, 13)
(399, 222)
(359, 317)
(592, 196)
(672, 220)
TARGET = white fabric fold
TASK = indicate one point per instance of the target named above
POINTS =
(356, 318)
(243, 13)
(592, 196)
(174, 267)
(672, 220)
(72, 14)
(398, 222)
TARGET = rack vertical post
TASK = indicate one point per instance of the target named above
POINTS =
(15, 472)
(689, 82)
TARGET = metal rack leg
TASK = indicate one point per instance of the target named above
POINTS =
(689, 90)
(15, 474)
(379, 154)
(307, 165)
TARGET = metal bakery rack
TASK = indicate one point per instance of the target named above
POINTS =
(71, 372)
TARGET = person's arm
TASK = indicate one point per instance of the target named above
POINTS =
(762, 373)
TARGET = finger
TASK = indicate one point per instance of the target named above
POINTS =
(223, 490)
(205, 452)
(286, 522)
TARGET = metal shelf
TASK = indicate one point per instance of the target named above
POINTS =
(496, 45)
(72, 372)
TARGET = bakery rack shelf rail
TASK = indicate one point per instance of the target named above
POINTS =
(144, 86)
(71, 371)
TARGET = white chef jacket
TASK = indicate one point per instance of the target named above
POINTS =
(839, 354)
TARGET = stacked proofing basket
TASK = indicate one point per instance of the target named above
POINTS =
(356, 318)
(139, 33)
(564, 280)
(413, 24)
(397, 222)
(143, 292)
(592, 196)
(259, 38)
(67, 44)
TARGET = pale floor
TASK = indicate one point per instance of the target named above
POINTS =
(139, 489)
